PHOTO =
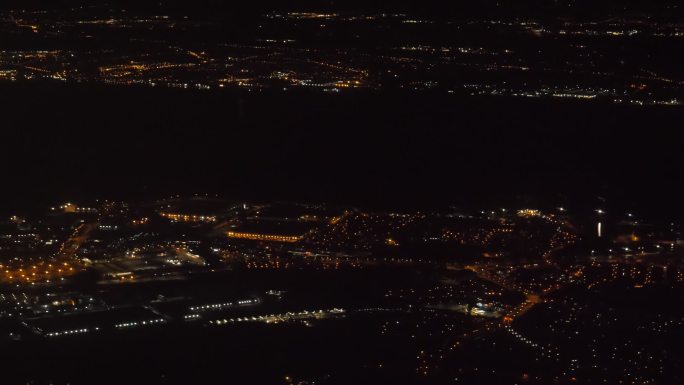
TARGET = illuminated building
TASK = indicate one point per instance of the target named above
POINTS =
(175, 217)
(529, 213)
(72, 208)
(264, 237)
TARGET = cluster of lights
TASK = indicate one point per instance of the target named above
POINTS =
(141, 221)
(40, 272)
(188, 217)
(216, 306)
(284, 317)
(362, 231)
(126, 325)
(70, 332)
(529, 213)
(264, 237)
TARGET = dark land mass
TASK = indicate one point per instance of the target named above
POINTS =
(369, 149)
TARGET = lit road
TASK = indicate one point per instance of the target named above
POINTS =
(531, 299)
(75, 241)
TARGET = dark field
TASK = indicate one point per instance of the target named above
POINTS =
(368, 149)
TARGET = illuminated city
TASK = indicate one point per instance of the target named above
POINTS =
(442, 287)
(591, 59)
(341, 192)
